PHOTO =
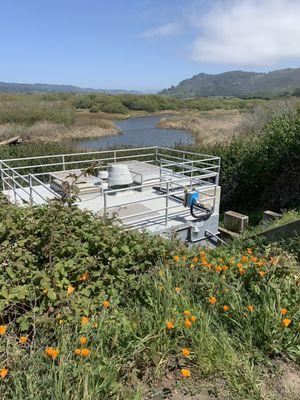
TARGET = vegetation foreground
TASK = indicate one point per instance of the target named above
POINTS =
(92, 311)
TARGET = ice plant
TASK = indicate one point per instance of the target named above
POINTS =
(185, 373)
(106, 304)
(226, 308)
(286, 322)
(3, 373)
(51, 352)
(23, 339)
(85, 320)
(250, 308)
(170, 325)
(3, 329)
(83, 340)
(212, 300)
(284, 311)
(185, 352)
(188, 323)
(70, 289)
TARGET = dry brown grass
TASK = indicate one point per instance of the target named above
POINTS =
(86, 125)
(221, 126)
(209, 127)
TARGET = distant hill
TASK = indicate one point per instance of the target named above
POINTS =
(239, 84)
(45, 87)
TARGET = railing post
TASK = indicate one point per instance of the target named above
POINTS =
(115, 156)
(14, 187)
(219, 169)
(167, 204)
(63, 163)
(156, 152)
(30, 190)
(105, 203)
(1, 175)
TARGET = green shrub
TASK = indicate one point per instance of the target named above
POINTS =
(59, 264)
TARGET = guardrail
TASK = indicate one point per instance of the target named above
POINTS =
(177, 169)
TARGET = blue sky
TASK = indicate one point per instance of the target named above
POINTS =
(143, 44)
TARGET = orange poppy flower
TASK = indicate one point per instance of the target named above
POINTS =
(70, 289)
(218, 268)
(84, 277)
(286, 322)
(195, 260)
(176, 258)
(185, 352)
(51, 352)
(188, 323)
(226, 308)
(3, 329)
(249, 251)
(185, 373)
(183, 258)
(85, 352)
(224, 268)
(239, 265)
(253, 259)
(242, 271)
(82, 340)
(177, 289)
(85, 320)
(250, 308)
(77, 352)
(23, 339)
(284, 311)
(212, 300)
(3, 373)
(262, 273)
(186, 313)
(106, 304)
(244, 259)
(170, 325)
(193, 318)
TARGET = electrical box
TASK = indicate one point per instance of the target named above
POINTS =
(191, 198)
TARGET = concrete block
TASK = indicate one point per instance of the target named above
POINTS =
(270, 216)
(235, 222)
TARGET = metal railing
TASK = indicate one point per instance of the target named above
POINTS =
(178, 169)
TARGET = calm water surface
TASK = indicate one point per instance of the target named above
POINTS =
(140, 131)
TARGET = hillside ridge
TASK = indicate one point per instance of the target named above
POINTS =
(239, 84)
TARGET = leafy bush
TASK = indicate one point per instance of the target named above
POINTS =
(70, 281)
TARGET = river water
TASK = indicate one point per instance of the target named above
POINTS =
(138, 132)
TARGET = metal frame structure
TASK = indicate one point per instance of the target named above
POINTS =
(23, 178)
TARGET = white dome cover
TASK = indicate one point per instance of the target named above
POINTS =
(119, 175)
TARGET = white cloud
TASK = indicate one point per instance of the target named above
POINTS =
(170, 29)
(249, 33)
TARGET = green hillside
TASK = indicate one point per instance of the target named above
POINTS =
(239, 84)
